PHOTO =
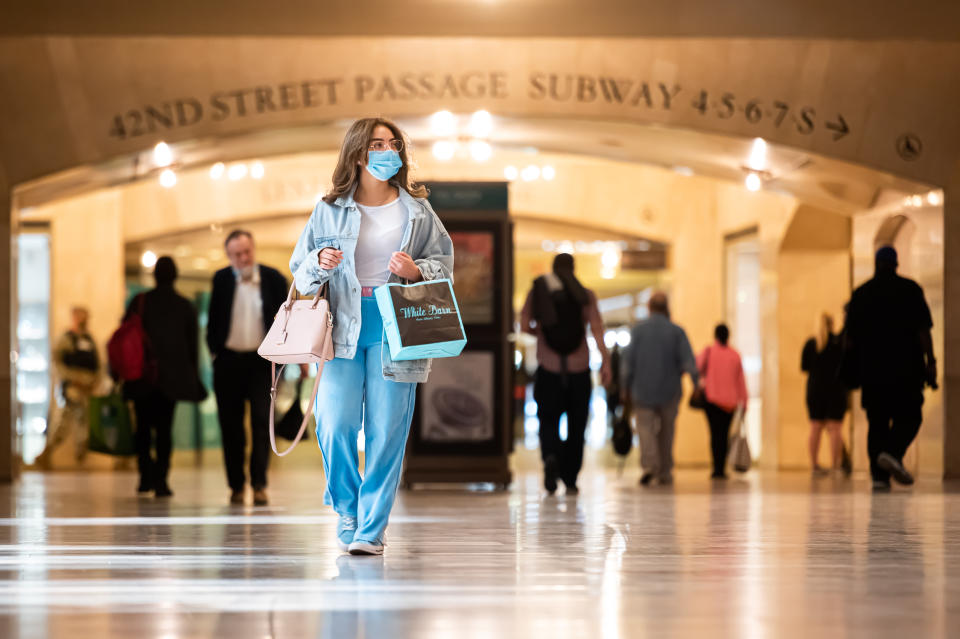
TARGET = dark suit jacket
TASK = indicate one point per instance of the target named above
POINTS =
(170, 322)
(273, 292)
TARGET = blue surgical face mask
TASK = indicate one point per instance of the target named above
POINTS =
(383, 165)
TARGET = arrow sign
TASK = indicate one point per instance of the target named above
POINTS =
(840, 129)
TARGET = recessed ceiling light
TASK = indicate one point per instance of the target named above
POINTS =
(162, 155)
(481, 124)
(444, 150)
(168, 179)
(443, 123)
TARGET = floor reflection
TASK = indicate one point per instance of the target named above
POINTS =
(758, 556)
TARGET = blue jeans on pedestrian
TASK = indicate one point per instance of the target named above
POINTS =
(353, 392)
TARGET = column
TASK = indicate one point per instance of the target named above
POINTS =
(8, 465)
(949, 359)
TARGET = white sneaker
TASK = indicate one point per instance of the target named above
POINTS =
(346, 527)
(366, 548)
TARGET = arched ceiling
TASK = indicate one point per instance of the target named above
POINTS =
(851, 19)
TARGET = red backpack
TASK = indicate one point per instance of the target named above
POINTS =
(127, 348)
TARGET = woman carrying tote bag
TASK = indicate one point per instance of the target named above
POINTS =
(725, 390)
(374, 227)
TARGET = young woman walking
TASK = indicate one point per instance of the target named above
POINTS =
(827, 397)
(721, 371)
(375, 226)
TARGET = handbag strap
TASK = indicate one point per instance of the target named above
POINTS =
(322, 293)
(275, 376)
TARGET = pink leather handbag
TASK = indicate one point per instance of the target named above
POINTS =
(302, 333)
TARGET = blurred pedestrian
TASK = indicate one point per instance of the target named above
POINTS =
(245, 297)
(725, 389)
(77, 363)
(557, 311)
(170, 323)
(827, 396)
(889, 333)
(653, 366)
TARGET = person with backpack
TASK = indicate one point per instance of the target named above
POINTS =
(653, 366)
(77, 363)
(154, 354)
(557, 311)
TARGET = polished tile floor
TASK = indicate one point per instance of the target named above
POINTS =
(762, 556)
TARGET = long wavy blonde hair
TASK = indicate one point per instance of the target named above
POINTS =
(824, 330)
(353, 155)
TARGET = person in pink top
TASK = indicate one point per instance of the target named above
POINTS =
(721, 373)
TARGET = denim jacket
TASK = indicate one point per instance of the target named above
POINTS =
(337, 225)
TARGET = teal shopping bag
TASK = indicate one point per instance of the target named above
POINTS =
(421, 320)
(111, 432)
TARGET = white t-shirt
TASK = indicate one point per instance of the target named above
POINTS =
(246, 320)
(381, 231)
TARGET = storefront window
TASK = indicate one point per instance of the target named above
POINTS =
(33, 338)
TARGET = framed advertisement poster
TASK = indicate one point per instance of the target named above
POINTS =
(480, 274)
(458, 401)
(474, 267)
(457, 408)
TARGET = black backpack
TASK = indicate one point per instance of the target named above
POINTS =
(566, 335)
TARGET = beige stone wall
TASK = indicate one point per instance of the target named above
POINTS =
(811, 283)
(86, 242)
(814, 278)
(87, 262)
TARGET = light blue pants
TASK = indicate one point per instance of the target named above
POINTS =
(354, 392)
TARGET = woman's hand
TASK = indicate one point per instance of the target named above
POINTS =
(606, 373)
(329, 258)
(403, 265)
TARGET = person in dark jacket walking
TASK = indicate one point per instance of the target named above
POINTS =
(170, 323)
(245, 297)
(888, 330)
(827, 397)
